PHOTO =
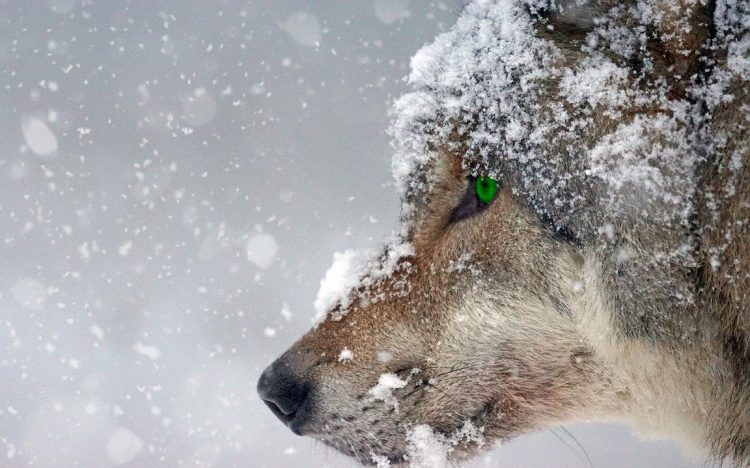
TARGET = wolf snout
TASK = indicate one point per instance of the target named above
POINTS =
(285, 393)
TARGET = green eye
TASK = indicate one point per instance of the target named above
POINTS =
(486, 188)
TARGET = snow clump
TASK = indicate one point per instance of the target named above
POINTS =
(346, 355)
(355, 269)
(383, 391)
(380, 461)
(428, 449)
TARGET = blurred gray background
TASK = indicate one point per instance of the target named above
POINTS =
(175, 177)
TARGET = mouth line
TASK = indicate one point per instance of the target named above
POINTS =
(366, 456)
(362, 452)
(370, 454)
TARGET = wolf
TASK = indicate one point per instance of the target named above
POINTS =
(573, 242)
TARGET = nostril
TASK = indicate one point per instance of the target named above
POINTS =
(278, 412)
(286, 404)
(282, 391)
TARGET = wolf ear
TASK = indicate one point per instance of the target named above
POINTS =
(677, 32)
(682, 29)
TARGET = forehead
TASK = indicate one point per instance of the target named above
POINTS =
(474, 94)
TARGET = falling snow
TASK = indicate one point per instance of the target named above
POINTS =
(123, 446)
(30, 294)
(390, 11)
(38, 136)
(151, 352)
(199, 108)
(262, 250)
(175, 178)
(304, 28)
(172, 193)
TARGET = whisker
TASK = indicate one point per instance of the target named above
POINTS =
(425, 382)
(579, 446)
(416, 389)
(428, 384)
(456, 370)
(566, 444)
(578, 455)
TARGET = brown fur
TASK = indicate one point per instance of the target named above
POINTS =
(525, 316)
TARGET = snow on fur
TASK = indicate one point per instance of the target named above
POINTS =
(488, 80)
(516, 105)
(357, 269)
(513, 102)
(383, 391)
(428, 449)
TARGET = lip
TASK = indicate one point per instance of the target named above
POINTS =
(365, 455)
(294, 427)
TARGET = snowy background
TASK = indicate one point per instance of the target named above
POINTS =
(175, 177)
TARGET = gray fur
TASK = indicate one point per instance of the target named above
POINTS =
(606, 281)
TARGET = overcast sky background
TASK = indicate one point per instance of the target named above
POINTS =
(175, 177)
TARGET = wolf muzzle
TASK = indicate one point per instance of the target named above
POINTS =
(286, 393)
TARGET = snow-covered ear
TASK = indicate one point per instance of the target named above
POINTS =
(676, 34)
(682, 31)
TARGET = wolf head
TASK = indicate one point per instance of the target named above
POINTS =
(488, 317)
(471, 326)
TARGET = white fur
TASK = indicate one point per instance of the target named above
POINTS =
(664, 401)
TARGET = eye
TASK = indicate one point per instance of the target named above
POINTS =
(486, 188)
(479, 194)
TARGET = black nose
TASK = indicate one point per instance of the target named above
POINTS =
(284, 393)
